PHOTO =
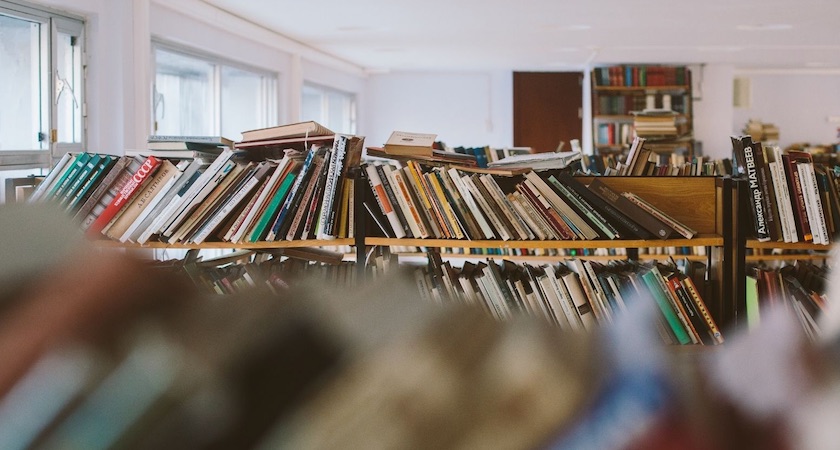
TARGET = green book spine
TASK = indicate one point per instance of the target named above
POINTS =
(87, 188)
(655, 289)
(752, 302)
(67, 176)
(82, 176)
(272, 207)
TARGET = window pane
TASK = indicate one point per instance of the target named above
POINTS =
(311, 107)
(331, 108)
(183, 99)
(243, 102)
(21, 116)
(68, 80)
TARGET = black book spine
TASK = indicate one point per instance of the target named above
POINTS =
(598, 204)
(640, 216)
(743, 152)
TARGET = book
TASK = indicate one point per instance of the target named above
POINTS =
(165, 172)
(184, 202)
(256, 203)
(274, 229)
(783, 194)
(292, 130)
(711, 325)
(744, 155)
(500, 198)
(583, 207)
(581, 227)
(97, 176)
(798, 202)
(295, 229)
(79, 180)
(614, 215)
(125, 194)
(813, 201)
(177, 140)
(114, 173)
(418, 196)
(282, 194)
(472, 205)
(654, 226)
(409, 210)
(654, 286)
(408, 143)
(51, 178)
(383, 201)
(249, 183)
(678, 226)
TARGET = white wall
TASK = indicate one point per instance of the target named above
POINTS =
(712, 90)
(799, 103)
(464, 109)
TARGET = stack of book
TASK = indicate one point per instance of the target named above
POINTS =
(792, 199)
(659, 122)
(180, 147)
(413, 200)
(303, 195)
(576, 295)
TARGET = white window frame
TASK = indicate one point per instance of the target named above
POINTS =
(325, 104)
(269, 83)
(55, 22)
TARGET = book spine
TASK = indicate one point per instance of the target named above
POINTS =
(566, 304)
(122, 197)
(768, 195)
(96, 177)
(445, 206)
(714, 331)
(638, 215)
(757, 200)
(560, 227)
(598, 203)
(254, 205)
(471, 204)
(680, 228)
(416, 180)
(800, 206)
(583, 307)
(583, 206)
(483, 203)
(782, 202)
(665, 307)
(54, 174)
(695, 322)
(518, 224)
(582, 228)
(402, 201)
(416, 191)
(293, 194)
(515, 200)
(402, 187)
(392, 197)
(816, 215)
(226, 209)
(305, 200)
(382, 200)
(336, 165)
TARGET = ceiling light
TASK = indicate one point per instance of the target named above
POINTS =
(765, 27)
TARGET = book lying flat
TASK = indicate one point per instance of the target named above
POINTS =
(292, 130)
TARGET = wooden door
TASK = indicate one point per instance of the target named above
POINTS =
(547, 109)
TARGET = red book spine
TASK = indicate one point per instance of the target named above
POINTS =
(124, 195)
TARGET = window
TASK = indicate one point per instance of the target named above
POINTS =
(203, 95)
(41, 115)
(331, 108)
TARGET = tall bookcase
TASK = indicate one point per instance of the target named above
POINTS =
(619, 92)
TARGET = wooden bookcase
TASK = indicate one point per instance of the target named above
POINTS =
(702, 203)
(620, 90)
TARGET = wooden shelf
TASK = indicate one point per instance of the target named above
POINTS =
(787, 257)
(547, 258)
(752, 243)
(641, 88)
(701, 240)
(234, 245)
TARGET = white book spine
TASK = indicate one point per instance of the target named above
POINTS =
(470, 202)
(228, 207)
(497, 224)
(148, 209)
(807, 174)
(236, 236)
(174, 214)
(566, 303)
(45, 185)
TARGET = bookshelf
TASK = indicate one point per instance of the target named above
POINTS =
(619, 92)
(700, 203)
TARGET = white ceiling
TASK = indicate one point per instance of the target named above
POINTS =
(556, 35)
